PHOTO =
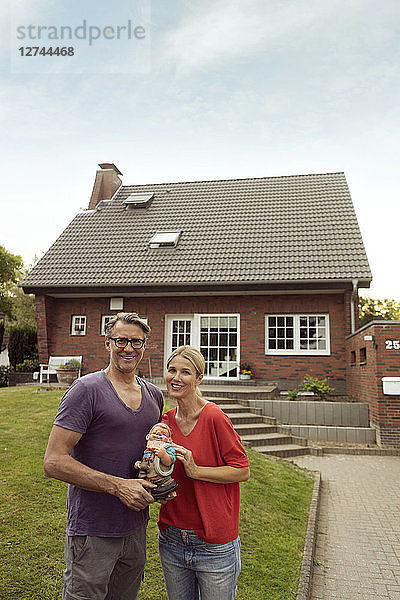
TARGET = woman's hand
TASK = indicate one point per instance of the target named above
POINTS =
(223, 474)
(186, 457)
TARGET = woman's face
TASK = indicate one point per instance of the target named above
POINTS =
(182, 379)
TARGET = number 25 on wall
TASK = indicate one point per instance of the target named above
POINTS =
(392, 344)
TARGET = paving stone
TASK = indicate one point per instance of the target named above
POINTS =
(358, 539)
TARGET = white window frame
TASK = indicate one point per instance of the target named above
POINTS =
(195, 334)
(75, 322)
(103, 323)
(296, 326)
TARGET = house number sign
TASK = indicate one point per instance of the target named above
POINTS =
(392, 344)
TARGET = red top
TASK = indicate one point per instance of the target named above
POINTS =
(211, 510)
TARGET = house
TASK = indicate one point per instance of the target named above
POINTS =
(263, 271)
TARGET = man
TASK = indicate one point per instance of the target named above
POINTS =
(98, 435)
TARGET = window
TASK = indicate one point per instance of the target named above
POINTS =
(78, 326)
(219, 344)
(181, 333)
(353, 357)
(363, 355)
(104, 321)
(215, 335)
(116, 304)
(165, 239)
(297, 334)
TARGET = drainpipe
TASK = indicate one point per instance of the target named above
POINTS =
(354, 297)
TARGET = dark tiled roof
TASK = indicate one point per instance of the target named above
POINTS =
(268, 229)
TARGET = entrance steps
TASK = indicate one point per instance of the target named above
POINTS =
(263, 434)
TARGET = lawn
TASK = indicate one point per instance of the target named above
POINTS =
(274, 514)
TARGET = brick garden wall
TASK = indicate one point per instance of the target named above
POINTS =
(367, 362)
(54, 325)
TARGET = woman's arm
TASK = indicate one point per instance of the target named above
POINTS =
(224, 474)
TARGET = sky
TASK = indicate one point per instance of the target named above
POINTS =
(183, 90)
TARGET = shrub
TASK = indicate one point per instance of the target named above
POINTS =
(319, 387)
(292, 394)
(29, 365)
(3, 376)
(22, 345)
(1, 334)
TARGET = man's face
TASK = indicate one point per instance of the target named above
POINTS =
(125, 359)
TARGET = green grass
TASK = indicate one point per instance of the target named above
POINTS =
(274, 512)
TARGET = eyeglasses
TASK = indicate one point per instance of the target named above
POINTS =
(136, 343)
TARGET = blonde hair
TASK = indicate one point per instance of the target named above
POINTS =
(193, 356)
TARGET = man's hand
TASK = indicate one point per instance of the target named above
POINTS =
(134, 493)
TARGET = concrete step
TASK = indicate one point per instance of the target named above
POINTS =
(266, 439)
(284, 450)
(244, 429)
(239, 408)
(244, 418)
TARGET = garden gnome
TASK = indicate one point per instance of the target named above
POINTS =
(158, 461)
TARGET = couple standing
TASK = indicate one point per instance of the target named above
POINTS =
(98, 435)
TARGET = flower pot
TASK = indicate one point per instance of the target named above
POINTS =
(66, 376)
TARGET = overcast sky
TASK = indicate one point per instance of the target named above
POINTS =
(208, 89)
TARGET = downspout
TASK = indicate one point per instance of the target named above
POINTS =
(354, 298)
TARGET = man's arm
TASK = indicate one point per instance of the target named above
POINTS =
(59, 464)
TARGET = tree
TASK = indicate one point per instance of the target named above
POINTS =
(10, 266)
(370, 309)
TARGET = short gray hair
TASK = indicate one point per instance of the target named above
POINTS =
(131, 318)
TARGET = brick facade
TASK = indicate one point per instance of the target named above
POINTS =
(54, 326)
(368, 360)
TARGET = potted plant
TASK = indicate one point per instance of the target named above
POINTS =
(68, 372)
(245, 371)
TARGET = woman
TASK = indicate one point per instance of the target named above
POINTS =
(198, 539)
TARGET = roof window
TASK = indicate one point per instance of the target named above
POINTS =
(165, 239)
(138, 200)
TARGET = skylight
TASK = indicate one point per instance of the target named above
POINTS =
(164, 239)
(139, 200)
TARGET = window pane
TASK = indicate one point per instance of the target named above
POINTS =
(174, 326)
(321, 345)
(303, 344)
(313, 345)
(223, 339)
(281, 321)
(214, 323)
(289, 345)
(272, 344)
(272, 321)
(312, 333)
(289, 321)
(232, 322)
(303, 322)
(321, 332)
(223, 323)
(303, 332)
(204, 339)
(281, 344)
(321, 321)
(232, 339)
(213, 339)
(312, 321)
(204, 322)
(281, 333)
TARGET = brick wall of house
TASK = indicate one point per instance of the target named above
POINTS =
(54, 325)
(367, 362)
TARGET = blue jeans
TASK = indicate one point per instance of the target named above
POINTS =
(192, 566)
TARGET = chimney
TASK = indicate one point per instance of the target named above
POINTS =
(106, 184)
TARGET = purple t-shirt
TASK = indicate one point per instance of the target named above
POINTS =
(114, 438)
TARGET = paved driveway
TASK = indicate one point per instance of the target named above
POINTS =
(358, 541)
